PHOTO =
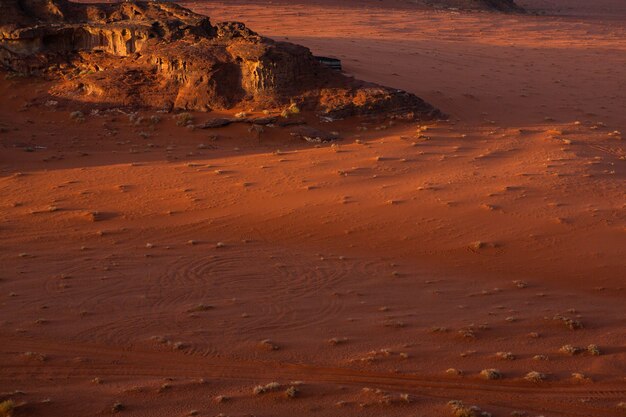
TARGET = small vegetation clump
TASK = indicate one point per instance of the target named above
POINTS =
(78, 116)
(263, 389)
(569, 322)
(292, 109)
(95, 216)
(379, 397)
(292, 392)
(200, 308)
(256, 130)
(394, 323)
(337, 340)
(520, 284)
(593, 350)
(454, 372)
(180, 345)
(438, 329)
(6, 408)
(374, 356)
(577, 376)
(505, 355)
(570, 350)
(267, 344)
(467, 333)
(183, 119)
(117, 407)
(491, 374)
(534, 376)
(36, 356)
(461, 410)
(406, 398)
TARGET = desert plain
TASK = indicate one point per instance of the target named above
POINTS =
(154, 269)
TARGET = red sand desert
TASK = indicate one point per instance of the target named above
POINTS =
(165, 271)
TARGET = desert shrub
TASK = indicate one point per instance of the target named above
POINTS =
(292, 109)
(461, 410)
(291, 392)
(534, 376)
(77, 116)
(593, 350)
(183, 119)
(262, 389)
(6, 408)
(491, 374)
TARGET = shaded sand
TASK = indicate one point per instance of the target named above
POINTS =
(172, 270)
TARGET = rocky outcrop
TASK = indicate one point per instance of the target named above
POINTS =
(162, 55)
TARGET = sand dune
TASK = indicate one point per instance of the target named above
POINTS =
(150, 269)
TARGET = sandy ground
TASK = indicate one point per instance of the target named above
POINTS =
(172, 271)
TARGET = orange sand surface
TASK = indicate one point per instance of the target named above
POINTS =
(173, 270)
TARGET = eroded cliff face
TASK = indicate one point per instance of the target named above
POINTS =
(162, 55)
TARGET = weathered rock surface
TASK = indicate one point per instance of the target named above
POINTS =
(162, 55)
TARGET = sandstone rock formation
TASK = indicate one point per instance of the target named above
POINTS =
(162, 55)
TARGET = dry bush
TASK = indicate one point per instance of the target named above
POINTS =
(337, 340)
(183, 119)
(570, 323)
(467, 333)
(580, 377)
(570, 350)
(593, 350)
(292, 109)
(505, 355)
(491, 374)
(380, 397)
(554, 132)
(461, 410)
(454, 371)
(534, 376)
(262, 389)
(292, 392)
(41, 357)
(200, 308)
(267, 344)
(78, 116)
(6, 408)
(117, 407)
